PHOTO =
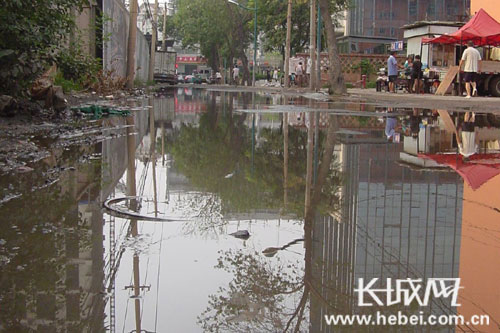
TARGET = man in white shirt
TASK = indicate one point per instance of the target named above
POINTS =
(471, 57)
(236, 74)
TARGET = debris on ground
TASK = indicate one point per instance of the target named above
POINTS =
(7, 106)
(99, 111)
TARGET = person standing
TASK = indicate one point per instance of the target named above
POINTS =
(236, 74)
(299, 71)
(308, 70)
(275, 75)
(392, 71)
(417, 75)
(471, 58)
(408, 72)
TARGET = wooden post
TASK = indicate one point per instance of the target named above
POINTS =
(154, 33)
(312, 49)
(287, 47)
(132, 35)
(164, 41)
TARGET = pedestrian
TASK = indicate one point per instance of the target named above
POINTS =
(308, 70)
(268, 75)
(408, 66)
(417, 75)
(275, 75)
(236, 74)
(392, 71)
(299, 72)
(471, 57)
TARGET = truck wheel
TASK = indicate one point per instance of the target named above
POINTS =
(495, 86)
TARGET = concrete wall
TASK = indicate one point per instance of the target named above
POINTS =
(85, 22)
(116, 41)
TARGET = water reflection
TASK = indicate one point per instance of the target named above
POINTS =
(326, 197)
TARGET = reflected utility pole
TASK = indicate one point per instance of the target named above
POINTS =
(253, 129)
(285, 159)
(132, 191)
(152, 135)
(316, 146)
(309, 167)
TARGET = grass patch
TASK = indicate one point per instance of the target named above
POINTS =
(67, 85)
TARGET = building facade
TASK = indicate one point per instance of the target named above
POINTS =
(371, 25)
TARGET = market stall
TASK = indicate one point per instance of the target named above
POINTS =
(484, 31)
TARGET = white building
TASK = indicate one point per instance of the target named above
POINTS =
(146, 13)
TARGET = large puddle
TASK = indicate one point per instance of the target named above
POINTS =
(199, 213)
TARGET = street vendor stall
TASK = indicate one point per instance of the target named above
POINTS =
(484, 31)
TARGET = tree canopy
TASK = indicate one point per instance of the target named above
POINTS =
(218, 28)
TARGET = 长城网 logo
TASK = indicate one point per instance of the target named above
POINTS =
(407, 291)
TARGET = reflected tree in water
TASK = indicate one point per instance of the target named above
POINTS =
(216, 157)
(258, 299)
(265, 295)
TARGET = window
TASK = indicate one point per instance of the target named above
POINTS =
(412, 10)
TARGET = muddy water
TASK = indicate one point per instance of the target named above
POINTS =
(200, 214)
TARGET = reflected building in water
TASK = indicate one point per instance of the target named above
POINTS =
(395, 222)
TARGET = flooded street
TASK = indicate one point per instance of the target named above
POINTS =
(221, 211)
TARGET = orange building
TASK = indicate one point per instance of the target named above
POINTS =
(480, 254)
(492, 7)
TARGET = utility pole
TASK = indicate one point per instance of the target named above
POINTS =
(132, 35)
(154, 33)
(318, 47)
(164, 41)
(312, 48)
(287, 47)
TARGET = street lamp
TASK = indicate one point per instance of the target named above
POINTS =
(254, 35)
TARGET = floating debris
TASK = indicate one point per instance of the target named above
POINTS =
(242, 234)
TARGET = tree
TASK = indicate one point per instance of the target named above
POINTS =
(31, 33)
(272, 23)
(218, 28)
(331, 8)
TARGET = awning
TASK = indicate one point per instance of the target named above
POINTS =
(482, 29)
(478, 170)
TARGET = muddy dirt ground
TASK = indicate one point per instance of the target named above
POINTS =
(28, 136)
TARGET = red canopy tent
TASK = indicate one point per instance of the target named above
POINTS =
(482, 29)
(478, 170)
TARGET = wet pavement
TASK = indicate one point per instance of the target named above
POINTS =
(248, 212)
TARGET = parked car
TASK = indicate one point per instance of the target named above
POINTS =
(180, 78)
(192, 79)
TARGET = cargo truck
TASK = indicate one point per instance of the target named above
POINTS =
(165, 67)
